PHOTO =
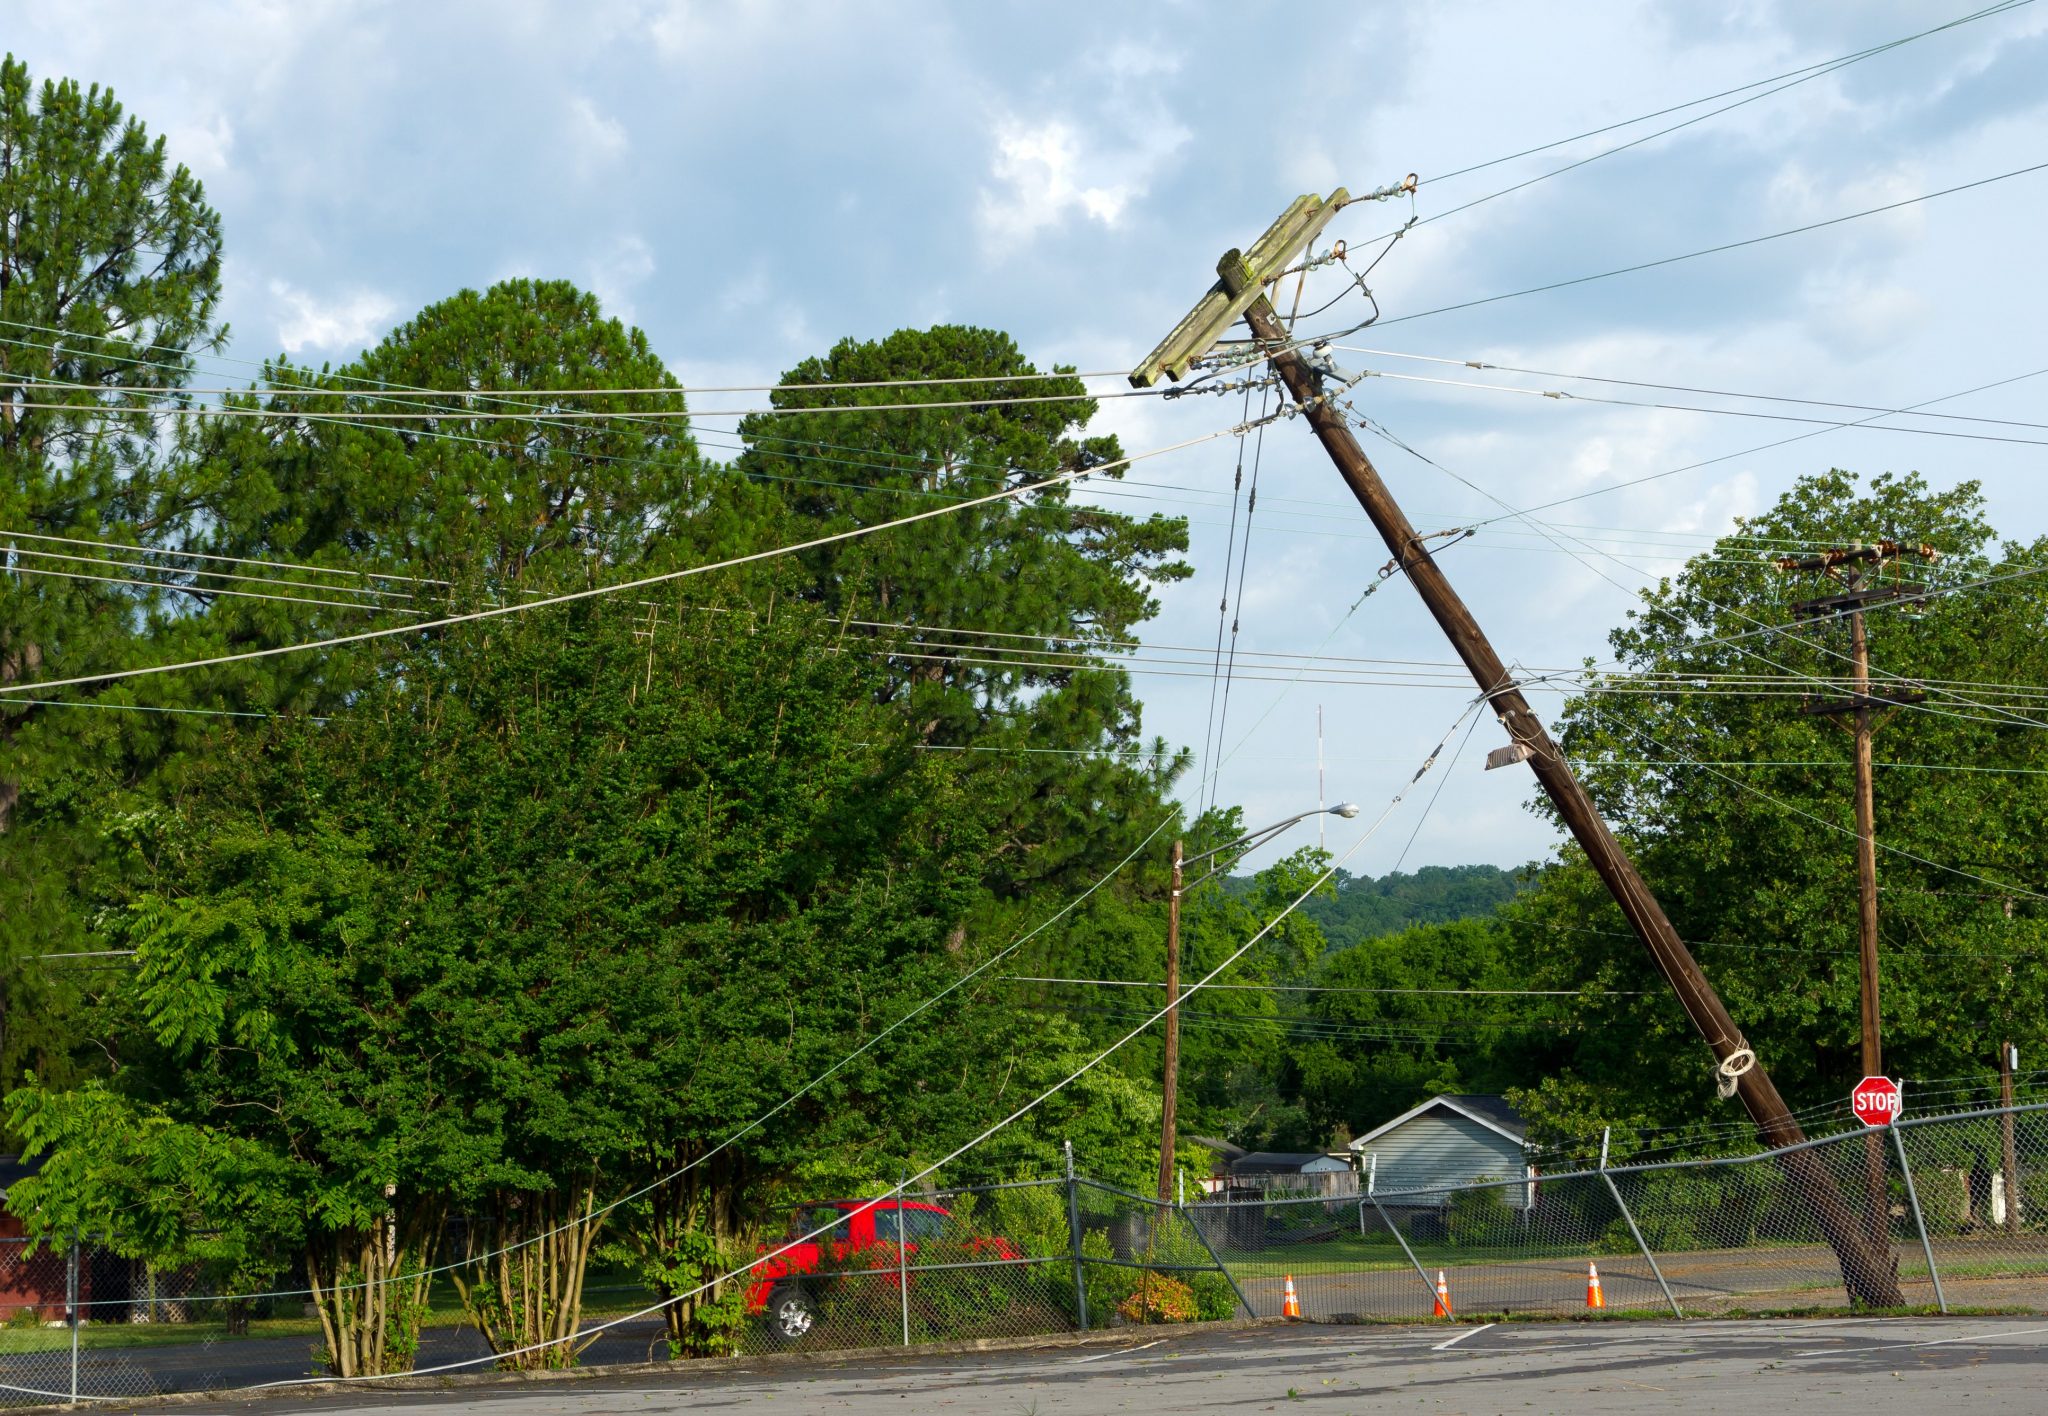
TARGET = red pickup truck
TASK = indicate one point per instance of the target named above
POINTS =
(857, 1234)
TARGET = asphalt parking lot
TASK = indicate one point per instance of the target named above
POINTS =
(1920, 1366)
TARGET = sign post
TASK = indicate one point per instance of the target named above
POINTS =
(1877, 1101)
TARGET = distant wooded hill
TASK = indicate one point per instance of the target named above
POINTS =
(1367, 907)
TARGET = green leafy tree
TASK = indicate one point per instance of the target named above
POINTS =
(1409, 1016)
(109, 282)
(494, 436)
(1012, 605)
(1741, 811)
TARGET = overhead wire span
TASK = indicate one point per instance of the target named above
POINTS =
(1717, 249)
(2004, 886)
(621, 587)
(1830, 424)
(1321, 988)
(539, 415)
(1737, 781)
(1716, 97)
(1782, 83)
(1483, 365)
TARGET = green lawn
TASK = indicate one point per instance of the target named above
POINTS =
(445, 1310)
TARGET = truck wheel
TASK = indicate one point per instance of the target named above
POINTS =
(791, 1313)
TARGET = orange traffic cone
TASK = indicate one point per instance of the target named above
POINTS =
(1290, 1305)
(1443, 1297)
(1594, 1297)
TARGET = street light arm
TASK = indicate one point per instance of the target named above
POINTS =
(1253, 839)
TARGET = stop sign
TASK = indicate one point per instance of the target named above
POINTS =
(1877, 1101)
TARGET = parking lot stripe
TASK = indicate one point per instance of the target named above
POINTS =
(1453, 1342)
(1937, 1342)
(1118, 1352)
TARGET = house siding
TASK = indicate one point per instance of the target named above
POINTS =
(1441, 1148)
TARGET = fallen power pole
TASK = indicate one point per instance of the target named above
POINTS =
(1869, 1271)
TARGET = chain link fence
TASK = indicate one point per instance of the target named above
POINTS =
(1945, 1212)
(1941, 1212)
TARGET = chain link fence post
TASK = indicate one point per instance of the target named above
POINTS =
(1919, 1220)
(903, 1257)
(1074, 1237)
(1622, 1205)
(71, 1307)
(1371, 1186)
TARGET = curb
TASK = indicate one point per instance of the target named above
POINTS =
(709, 1366)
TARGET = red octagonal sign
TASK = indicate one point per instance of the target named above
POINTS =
(1877, 1101)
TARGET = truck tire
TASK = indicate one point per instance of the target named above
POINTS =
(792, 1313)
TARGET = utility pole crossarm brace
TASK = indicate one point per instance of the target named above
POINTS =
(1229, 298)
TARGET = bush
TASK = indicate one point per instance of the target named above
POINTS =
(1160, 1299)
(1476, 1217)
(1215, 1299)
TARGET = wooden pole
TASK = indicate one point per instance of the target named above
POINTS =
(1877, 1211)
(1170, 1085)
(1866, 850)
(1869, 1272)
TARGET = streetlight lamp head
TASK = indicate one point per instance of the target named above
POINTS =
(1347, 810)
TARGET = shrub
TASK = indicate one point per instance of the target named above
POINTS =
(1476, 1216)
(1160, 1299)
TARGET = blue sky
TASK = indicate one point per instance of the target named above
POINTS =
(750, 182)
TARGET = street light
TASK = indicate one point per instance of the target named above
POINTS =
(1250, 841)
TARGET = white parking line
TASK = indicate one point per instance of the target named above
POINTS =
(1118, 1352)
(1937, 1342)
(1461, 1337)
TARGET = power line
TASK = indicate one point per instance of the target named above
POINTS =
(1317, 988)
(1832, 424)
(1716, 250)
(1481, 364)
(1783, 82)
(1709, 98)
(538, 415)
(498, 611)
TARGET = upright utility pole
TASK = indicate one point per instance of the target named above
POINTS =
(1858, 714)
(1172, 1078)
(1868, 1270)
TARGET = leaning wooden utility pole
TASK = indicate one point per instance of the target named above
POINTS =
(1869, 1272)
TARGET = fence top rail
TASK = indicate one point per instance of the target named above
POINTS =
(1108, 1189)
(1708, 1162)
(990, 1188)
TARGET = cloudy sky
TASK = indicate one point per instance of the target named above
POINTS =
(750, 182)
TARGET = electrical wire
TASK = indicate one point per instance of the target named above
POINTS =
(1718, 249)
(1481, 364)
(1793, 80)
(499, 611)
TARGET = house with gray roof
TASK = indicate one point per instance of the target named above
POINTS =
(1447, 1141)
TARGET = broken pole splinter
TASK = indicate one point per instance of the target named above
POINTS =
(1869, 1271)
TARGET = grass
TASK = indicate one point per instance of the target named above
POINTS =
(444, 1311)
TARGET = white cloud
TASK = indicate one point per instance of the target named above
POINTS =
(340, 325)
(202, 144)
(1854, 317)
(594, 138)
(619, 270)
(1046, 173)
